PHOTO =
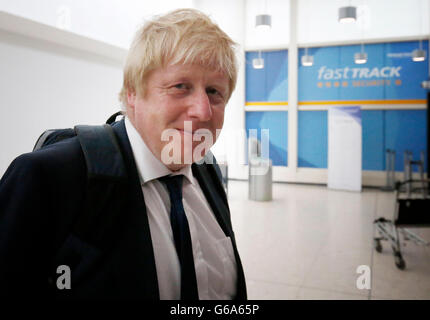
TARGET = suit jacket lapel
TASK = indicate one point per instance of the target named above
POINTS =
(211, 193)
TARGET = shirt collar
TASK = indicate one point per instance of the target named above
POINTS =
(148, 166)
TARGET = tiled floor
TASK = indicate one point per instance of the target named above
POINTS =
(308, 242)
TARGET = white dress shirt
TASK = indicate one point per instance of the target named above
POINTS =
(214, 260)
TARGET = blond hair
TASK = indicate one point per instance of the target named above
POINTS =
(185, 36)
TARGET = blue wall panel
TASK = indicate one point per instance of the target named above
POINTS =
(313, 139)
(405, 130)
(277, 123)
(373, 154)
(312, 86)
(277, 73)
(269, 83)
(412, 73)
(360, 84)
(400, 130)
(255, 79)
(388, 74)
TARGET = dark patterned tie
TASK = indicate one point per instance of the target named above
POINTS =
(182, 237)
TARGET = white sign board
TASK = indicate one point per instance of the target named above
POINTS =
(344, 148)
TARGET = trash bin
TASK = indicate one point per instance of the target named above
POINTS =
(260, 179)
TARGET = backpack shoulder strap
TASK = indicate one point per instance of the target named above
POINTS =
(52, 136)
(106, 178)
(41, 141)
(102, 154)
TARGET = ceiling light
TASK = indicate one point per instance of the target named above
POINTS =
(418, 55)
(258, 63)
(263, 21)
(347, 14)
(360, 57)
(307, 60)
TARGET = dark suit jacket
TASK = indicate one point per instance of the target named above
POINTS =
(41, 195)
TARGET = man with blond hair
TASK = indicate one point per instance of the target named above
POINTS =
(172, 235)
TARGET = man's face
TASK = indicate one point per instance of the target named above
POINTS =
(184, 98)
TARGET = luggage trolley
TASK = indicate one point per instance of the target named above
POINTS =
(411, 210)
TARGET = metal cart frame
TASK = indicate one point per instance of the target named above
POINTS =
(412, 210)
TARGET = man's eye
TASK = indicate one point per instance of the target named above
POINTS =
(180, 86)
(212, 91)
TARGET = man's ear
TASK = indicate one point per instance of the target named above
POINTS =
(131, 98)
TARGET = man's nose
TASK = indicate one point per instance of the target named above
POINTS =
(200, 106)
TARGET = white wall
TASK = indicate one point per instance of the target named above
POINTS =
(376, 19)
(113, 21)
(45, 86)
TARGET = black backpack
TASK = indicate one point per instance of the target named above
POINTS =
(105, 173)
